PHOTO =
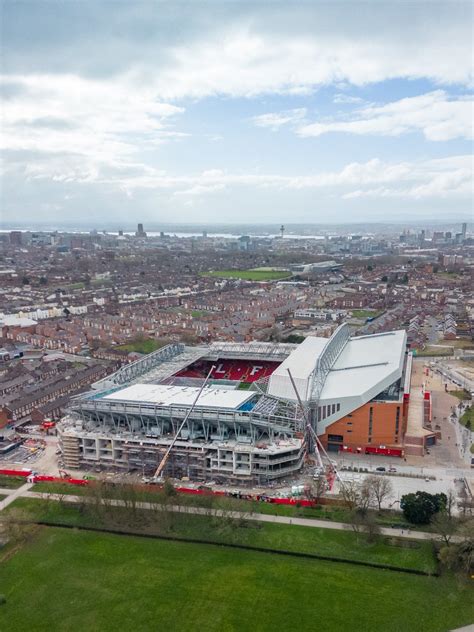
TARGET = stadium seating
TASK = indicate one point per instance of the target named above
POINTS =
(235, 370)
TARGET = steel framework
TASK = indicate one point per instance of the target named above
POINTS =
(327, 358)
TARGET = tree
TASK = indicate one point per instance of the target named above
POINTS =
(379, 489)
(350, 494)
(459, 557)
(317, 488)
(419, 508)
(445, 526)
(355, 496)
(365, 522)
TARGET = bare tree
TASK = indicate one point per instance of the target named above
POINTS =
(379, 488)
(317, 488)
(451, 500)
(350, 492)
(445, 526)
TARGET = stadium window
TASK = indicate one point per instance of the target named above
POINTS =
(369, 440)
(338, 407)
(397, 420)
(324, 412)
(371, 419)
(333, 409)
(349, 423)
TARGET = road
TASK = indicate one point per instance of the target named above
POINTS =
(24, 492)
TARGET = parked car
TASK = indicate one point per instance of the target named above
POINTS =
(380, 469)
(392, 469)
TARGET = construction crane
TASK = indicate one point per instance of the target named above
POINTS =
(330, 470)
(164, 460)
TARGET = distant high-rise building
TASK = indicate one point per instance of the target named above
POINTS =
(140, 232)
(120, 233)
(16, 237)
(463, 230)
(282, 231)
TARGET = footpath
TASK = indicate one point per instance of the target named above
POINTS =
(24, 492)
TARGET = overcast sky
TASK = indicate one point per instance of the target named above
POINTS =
(221, 111)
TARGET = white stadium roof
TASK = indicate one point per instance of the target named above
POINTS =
(351, 372)
(364, 363)
(166, 395)
(301, 363)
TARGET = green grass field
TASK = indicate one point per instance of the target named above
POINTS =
(67, 581)
(431, 351)
(365, 313)
(11, 482)
(141, 346)
(468, 415)
(298, 539)
(249, 275)
(461, 394)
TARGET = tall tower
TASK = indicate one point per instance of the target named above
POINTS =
(282, 231)
(463, 230)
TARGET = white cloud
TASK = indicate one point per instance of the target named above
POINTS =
(274, 120)
(79, 126)
(435, 114)
(448, 177)
(346, 99)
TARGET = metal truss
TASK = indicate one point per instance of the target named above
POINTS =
(261, 350)
(327, 358)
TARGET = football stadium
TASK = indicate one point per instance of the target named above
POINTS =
(238, 413)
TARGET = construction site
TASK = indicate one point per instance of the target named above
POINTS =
(243, 414)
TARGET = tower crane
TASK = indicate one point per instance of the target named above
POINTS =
(165, 458)
(330, 469)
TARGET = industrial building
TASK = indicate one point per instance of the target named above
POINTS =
(248, 423)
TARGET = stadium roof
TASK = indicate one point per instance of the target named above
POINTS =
(301, 361)
(358, 368)
(366, 363)
(166, 395)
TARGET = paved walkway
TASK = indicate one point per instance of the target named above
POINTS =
(202, 511)
(13, 494)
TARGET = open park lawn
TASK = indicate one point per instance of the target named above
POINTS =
(141, 346)
(67, 580)
(250, 275)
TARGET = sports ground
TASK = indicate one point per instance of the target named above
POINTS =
(250, 275)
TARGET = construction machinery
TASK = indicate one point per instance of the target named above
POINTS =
(158, 474)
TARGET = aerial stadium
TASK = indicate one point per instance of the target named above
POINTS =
(238, 413)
